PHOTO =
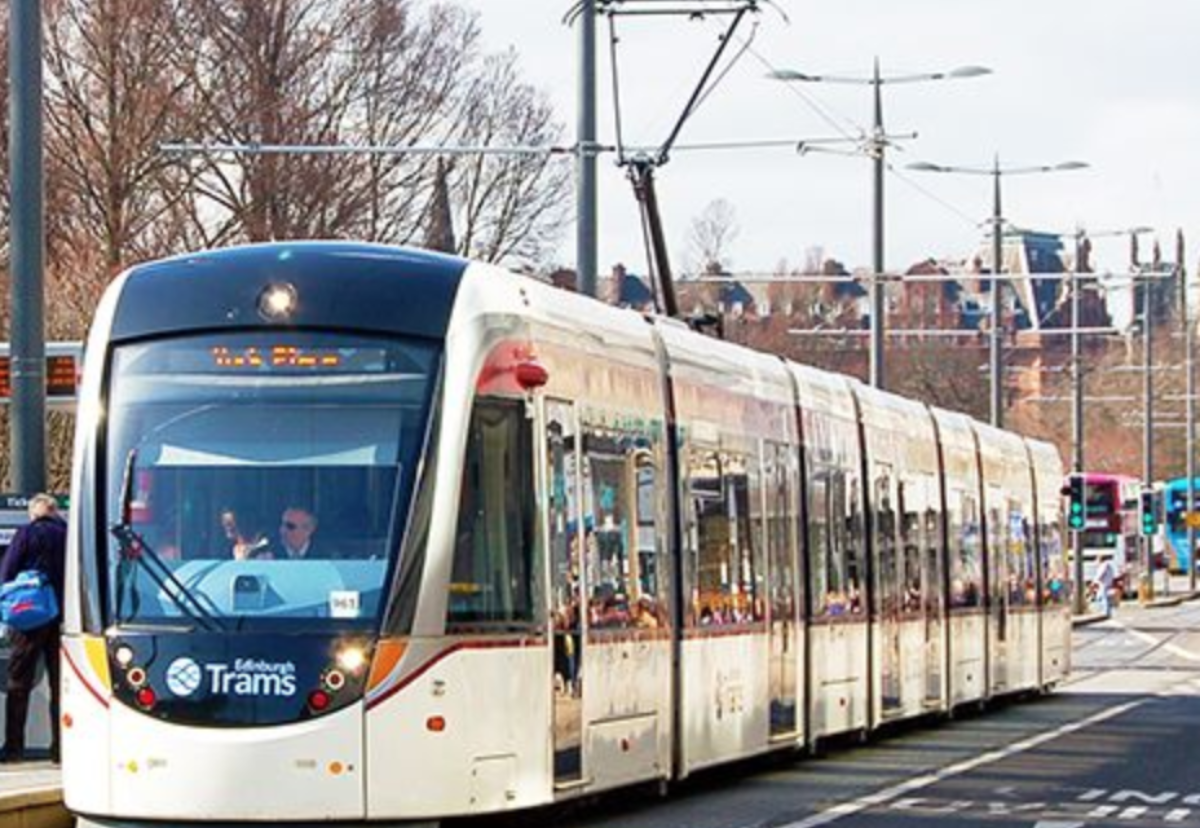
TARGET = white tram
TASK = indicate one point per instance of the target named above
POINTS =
(559, 547)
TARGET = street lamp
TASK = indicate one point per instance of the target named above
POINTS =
(997, 221)
(874, 147)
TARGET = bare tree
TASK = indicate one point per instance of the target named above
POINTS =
(408, 73)
(115, 90)
(710, 235)
(513, 206)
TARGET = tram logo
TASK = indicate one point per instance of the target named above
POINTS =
(244, 677)
(183, 676)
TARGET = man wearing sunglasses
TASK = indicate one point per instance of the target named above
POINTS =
(296, 528)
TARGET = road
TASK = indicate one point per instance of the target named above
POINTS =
(1119, 744)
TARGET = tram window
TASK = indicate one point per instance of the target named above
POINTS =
(820, 520)
(621, 545)
(933, 561)
(853, 530)
(910, 548)
(198, 425)
(1019, 548)
(966, 552)
(835, 536)
(1056, 581)
(728, 563)
(887, 574)
(780, 538)
(492, 576)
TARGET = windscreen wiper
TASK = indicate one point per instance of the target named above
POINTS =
(135, 550)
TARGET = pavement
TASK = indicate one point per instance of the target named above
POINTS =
(31, 792)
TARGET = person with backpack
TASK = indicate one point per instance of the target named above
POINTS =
(39, 545)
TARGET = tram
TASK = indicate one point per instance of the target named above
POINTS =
(550, 547)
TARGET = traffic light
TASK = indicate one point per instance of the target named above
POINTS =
(1149, 514)
(1076, 514)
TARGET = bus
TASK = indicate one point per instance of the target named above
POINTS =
(1174, 500)
(551, 547)
(1111, 526)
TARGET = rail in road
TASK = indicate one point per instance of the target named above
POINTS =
(1114, 746)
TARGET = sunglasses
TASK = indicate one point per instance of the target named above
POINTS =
(291, 527)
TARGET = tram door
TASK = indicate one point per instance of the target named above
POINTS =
(562, 478)
(889, 581)
(781, 546)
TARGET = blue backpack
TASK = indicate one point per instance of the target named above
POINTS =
(27, 601)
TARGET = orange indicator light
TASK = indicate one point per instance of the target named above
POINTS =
(435, 724)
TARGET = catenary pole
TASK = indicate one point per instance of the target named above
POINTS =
(1148, 425)
(1077, 420)
(996, 353)
(1189, 339)
(586, 196)
(28, 355)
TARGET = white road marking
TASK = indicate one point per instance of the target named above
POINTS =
(1174, 649)
(894, 792)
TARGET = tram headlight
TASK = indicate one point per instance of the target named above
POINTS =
(277, 302)
(124, 655)
(352, 659)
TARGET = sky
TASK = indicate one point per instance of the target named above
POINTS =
(1113, 83)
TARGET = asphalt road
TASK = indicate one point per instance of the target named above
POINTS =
(1118, 744)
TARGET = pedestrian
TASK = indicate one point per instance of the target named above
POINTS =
(41, 545)
(1102, 583)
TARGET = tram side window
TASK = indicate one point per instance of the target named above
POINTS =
(887, 571)
(853, 533)
(820, 537)
(621, 508)
(781, 541)
(966, 553)
(493, 573)
(728, 559)
(910, 549)
(1057, 583)
(1019, 546)
(835, 538)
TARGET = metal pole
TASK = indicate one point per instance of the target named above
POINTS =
(997, 360)
(878, 142)
(1148, 426)
(1077, 419)
(586, 192)
(1189, 339)
(28, 355)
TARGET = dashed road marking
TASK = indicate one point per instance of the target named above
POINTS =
(888, 795)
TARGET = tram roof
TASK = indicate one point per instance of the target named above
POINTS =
(336, 284)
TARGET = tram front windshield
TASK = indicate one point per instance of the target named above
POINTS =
(257, 482)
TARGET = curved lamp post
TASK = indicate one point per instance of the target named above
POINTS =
(997, 221)
(875, 147)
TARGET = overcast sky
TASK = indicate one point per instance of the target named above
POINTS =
(1114, 83)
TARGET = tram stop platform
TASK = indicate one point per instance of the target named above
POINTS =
(31, 796)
